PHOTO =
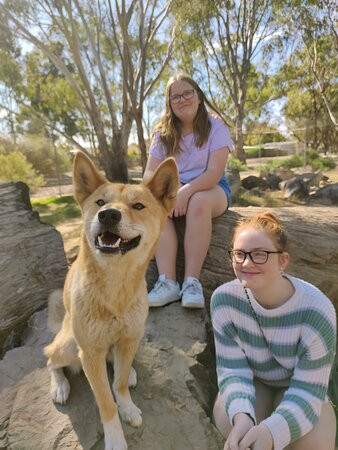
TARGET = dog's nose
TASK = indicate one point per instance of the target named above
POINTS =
(109, 217)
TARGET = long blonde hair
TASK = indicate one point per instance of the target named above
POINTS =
(169, 125)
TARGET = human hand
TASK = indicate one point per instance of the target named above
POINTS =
(242, 424)
(257, 438)
(183, 195)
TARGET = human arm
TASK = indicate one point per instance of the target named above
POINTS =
(151, 166)
(242, 424)
(300, 408)
(234, 374)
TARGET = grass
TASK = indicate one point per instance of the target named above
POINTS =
(266, 199)
(55, 210)
(312, 158)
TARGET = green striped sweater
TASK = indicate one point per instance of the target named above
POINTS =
(301, 335)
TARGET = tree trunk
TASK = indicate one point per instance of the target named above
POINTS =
(239, 140)
(117, 168)
(141, 141)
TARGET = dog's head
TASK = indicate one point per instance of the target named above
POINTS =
(122, 219)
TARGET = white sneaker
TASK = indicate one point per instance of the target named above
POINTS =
(192, 293)
(164, 291)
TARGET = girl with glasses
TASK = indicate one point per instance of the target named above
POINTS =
(200, 144)
(275, 338)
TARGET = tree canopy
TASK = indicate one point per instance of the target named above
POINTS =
(88, 72)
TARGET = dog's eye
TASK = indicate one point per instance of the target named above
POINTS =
(138, 206)
(100, 202)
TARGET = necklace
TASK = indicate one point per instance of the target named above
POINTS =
(255, 315)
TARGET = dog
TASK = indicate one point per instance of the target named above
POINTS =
(105, 296)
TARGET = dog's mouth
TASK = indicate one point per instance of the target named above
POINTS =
(108, 242)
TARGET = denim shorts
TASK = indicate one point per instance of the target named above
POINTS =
(223, 183)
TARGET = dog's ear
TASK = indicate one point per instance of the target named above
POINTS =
(86, 178)
(164, 183)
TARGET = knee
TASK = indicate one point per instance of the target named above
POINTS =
(199, 205)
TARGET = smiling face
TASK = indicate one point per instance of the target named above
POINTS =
(185, 110)
(258, 277)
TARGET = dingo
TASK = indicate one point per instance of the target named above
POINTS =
(105, 295)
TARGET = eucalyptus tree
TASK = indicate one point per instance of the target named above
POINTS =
(143, 53)
(103, 61)
(312, 28)
(231, 36)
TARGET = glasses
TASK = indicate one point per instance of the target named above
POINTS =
(257, 256)
(187, 95)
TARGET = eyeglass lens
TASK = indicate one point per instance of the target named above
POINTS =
(187, 95)
(258, 257)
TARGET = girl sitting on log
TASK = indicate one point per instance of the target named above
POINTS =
(275, 338)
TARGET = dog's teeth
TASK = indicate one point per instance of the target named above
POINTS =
(117, 243)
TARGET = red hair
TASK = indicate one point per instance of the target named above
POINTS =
(268, 223)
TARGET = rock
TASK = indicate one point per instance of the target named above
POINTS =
(273, 181)
(327, 195)
(312, 179)
(313, 247)
(295, 187)
(252, 182)
(175, 364)
(32, 259)
(166, 390)
(283, 173)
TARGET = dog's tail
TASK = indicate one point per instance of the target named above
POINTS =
(56, 311)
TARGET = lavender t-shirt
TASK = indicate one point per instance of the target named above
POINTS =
(192, 161)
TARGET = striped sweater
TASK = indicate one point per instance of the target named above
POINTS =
(301, 335)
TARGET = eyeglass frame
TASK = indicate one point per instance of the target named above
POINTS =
(180, 96)
(268, 253)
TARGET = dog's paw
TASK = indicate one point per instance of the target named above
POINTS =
(132, 380)
(60, 391)
(131, 414)
(113, 435)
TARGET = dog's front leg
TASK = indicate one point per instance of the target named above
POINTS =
(94, 366)
(124, 353)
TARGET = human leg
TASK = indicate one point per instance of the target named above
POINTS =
(322, 436)
(202, 207)
(166, 289)
(167, 251)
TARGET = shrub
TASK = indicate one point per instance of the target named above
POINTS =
(236, 164)
(312, 158)
(253, 152)
(15, 167)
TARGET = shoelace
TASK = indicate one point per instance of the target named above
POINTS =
(160, 285)
(193, 286)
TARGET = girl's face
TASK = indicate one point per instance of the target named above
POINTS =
(258, 276)
(185, 109)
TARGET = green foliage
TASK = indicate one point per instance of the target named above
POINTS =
(261, 132)
(15, 167)
(255, 152)
(236, 164)
(56, 210)
(40, 153)
(312, 158)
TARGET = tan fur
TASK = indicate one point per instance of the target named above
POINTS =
(105, 296)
